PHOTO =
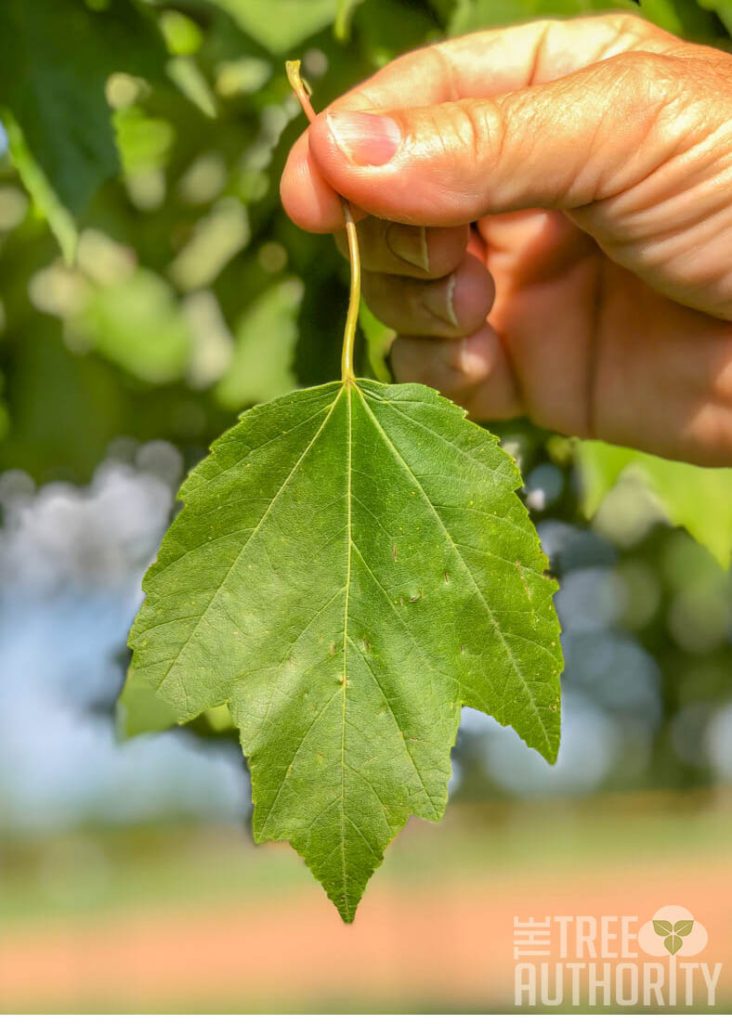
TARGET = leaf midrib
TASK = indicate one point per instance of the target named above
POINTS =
(344, 681)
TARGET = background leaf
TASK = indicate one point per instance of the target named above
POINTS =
(722, 8)
(271, 322)
(281, 25)
(470, 15)
(680, 16)
(136, 323)
(56, 95)
(698, 499)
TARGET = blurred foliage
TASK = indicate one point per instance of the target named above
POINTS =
(149, 136)
(63, 138)
(151, 143)
(698, 499)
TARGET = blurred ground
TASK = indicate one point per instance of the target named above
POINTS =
(186, 919)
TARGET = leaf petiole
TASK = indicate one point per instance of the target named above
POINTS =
(301, 90)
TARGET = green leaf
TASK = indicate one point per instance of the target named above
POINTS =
(55, 59)
(673, 943)
(723, 10)
(680, 16)
(350, 567)
(378, 339)
(387, 28)
(695, 498)
(193, 84)
(260, 372)
(141, 710)
(662, 927)
(470, 15)
(215, 240)
(280, 25)
(344, 14)
(183, 36)
(144, 142)
(683, 927)
(136, 322)
(41, 191)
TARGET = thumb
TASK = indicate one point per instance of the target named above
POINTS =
(565, 144)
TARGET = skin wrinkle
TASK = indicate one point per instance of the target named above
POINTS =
(496, 133)
(538, 53)
(632, 207)
(448, 72)
(633, 75)
(672, 116)
(594, 355)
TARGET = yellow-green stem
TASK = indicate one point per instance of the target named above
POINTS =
(349, 333)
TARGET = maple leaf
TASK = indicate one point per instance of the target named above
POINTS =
(352, 565)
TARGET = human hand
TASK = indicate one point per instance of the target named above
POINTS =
(547, 225)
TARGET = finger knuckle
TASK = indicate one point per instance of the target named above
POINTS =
(649, 76)
(479, 132)
(647, 89)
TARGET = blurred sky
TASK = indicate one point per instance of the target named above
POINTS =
(71, 561)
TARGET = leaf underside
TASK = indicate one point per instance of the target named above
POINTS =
(351, 566)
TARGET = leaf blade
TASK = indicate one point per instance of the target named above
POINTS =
(333, 611)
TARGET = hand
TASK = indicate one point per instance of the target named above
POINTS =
(547, 225)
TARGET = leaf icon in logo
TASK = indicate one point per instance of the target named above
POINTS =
(672, 929)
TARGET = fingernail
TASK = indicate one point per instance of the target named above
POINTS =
(450, 300)
(369, 140)
(409, 244)
(471, 358)
(440, 301)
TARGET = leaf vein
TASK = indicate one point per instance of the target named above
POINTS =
(496, 624)
(280, 491)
